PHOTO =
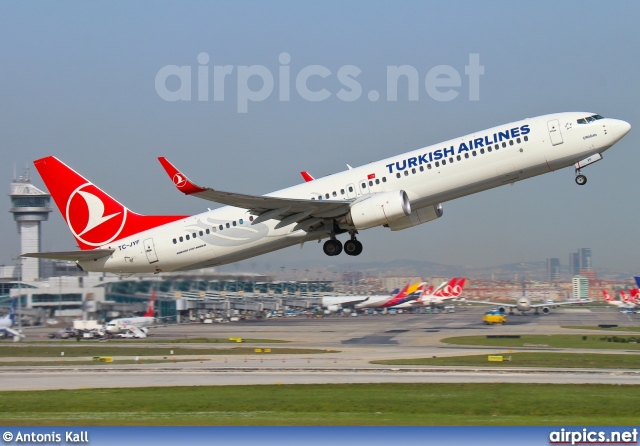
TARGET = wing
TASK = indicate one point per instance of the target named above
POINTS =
(557, 304)
(266, 206)
(495, 304)
(73, 256)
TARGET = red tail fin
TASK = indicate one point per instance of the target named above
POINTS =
(457, 289)
(151, 308)
(448, 289)
(607, 296)
(94, 218)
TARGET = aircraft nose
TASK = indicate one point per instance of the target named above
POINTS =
(619, 128)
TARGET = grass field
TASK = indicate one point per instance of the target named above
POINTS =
(533, 359)
(331, 405)
(594, 341)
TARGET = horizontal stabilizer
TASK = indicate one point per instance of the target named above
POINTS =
(73, 256)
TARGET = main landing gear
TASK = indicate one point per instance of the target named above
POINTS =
(333, 247)
(581, 180)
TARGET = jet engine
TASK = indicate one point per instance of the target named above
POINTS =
(378, 209)
(417, 217)
(545, 310)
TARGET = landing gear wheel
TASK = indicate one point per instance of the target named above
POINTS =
(353, 247)
(581, 180)
(332, 247)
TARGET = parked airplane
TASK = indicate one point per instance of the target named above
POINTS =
(408, 293)
(137, 325)
(618, 303)
(524, 305)
(631, 300)
(446, 291)
(398, 193)
(333, 304)
(7, 322)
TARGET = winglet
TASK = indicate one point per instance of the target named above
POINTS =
(307, 177)
(179, 179)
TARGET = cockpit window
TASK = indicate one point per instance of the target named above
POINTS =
(589, 119)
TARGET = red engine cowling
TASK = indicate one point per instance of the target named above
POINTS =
(378, 209)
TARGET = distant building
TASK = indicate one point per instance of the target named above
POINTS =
(553, 269)
(574, 264)
(580, 287)
(584, 256)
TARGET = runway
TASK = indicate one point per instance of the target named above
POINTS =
(354, 342)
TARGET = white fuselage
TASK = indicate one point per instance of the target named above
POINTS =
(121, 324)
(431, 175)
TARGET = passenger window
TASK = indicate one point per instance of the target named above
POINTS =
(221, 227)
(398, 175)
(377, 181)
(518, 140)
(228, 225)
(251, 218)
(342, 191)
(429, 166)
(370, 183)
(207, 230)
(474, 153)
(497, 146)
(241, 221)
(488, 148)
(181, 239)
(384, 179)
(466, 155)
(413, 171)
(335, 194)
(201, 233)
(511, 142)
(526, 138)
(326, 196)
(451, 159)
(175, 241)
(364, 185)
(406, 173)
(187, 236)
(444, 162)
(350, 189)
(481, 151)
(504, 144)
(421, 168)
(437, 163)
(459, 157)
(195, 235)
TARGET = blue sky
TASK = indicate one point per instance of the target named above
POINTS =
(78, 82)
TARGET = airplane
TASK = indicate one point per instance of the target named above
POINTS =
(408, 293)
(523, 305)
(618, 303)
(334, 304)
(138, 326)
(631, 300)
(399, 192)
(446, 291)
(7, 322)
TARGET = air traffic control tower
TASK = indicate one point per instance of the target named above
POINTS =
(29, 206)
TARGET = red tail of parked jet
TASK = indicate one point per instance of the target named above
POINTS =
(151, 308)
(94, 218)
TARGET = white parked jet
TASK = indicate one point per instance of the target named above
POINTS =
(138, 326)
(7, 322)
(398, 192)
(523, 305)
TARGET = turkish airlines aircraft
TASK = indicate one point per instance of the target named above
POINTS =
(446, 291)
(136, 325)
(618, 303)
(398, 192)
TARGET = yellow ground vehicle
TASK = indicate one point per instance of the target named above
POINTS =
(494, 317)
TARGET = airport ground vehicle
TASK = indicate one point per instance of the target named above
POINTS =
(494, 317)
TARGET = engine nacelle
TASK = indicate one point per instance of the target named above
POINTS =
(379, 209)
(417, 217)
(545, 310)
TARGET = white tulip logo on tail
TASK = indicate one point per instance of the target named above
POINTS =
(93, 217)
